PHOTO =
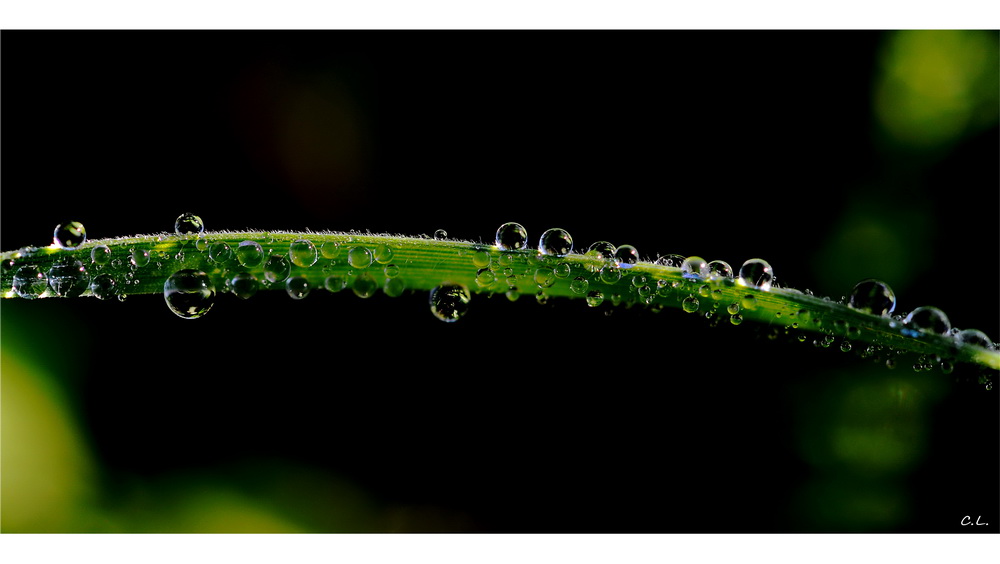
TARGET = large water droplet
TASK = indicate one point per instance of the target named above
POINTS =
(626, 256)
(244, 285)
(276, 268)
(330, 249)
(359, 257)
(928, 319)
(68, 278)
(139, 257)
(364, 285)
(297, 287)
(104, 287)
(579, 285)
(69, 235)
(973, 337)
(690, 304)
(382, 254)
(601, 250)
(555, 242)
(544, 277)
(393, 287)
(719, 269)
(250, 254)
(29, 282)
(334, 283)
(440, 235)
(695, 267)
(873, 296)
(100, 255)
(189, 293)
(595, 298)
(756, 273)
(188, 224)
(302, 252)
(511, 236)
(220, 252)
(449, 302)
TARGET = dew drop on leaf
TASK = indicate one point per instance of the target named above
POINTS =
(188, 224)
(244, 285)
(250, 254)
(220, 252)
(873, 296)
(364, 286)
(359, 257)
(189, 293)
(756, 273)
(690, 304)
(100, 255)
(276, 268)
(626, 256)
(449, 302)
(555, 242)
(595, 298)
(440, 235)
(139, 257)
(302, 253)
(579, 285)
(695, 267)
(29, 282)
(719, 269)
(601, 250)
(69, 235)
(974, 337)
(297, 287)
(511, 236)
(928, 319)
(104, 286)
(68, 278)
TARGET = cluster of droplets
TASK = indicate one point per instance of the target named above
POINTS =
(608, 275)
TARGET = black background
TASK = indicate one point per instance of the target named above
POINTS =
(520, 418)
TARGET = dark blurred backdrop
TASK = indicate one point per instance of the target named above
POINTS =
(836, 156)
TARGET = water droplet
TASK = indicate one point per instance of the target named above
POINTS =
(595, 298)
(391, 271)
(188, 224)
(244, 285)
(690, 304)
(394, 287)
(104, 286)
(334, 284)
(201, 244)
(579, 285)
(873, 296)
(695, 267)
(719, 269)
(555, 242)
(733, 308)
(610, 274)
(845, 346)
(481, 258)
(544, 277)
(562, 270)
(485, 278)
(973, 337)
(139, 257)
(68, 278)
(359, 257)
(250, 254)
(189, 293)
(330, 249)
(364, 285)
(220, 252)
(674, 261)
(29, 282)
(736, 319)
(748, 302)
(756, 273)
(100, 255)
(449, 302)
(928, 319)
(382, 254)
(297, 287)
(601, 250)
(542, 298)
(302, 253)
(704, 290)
(626, 256)
(276, 268)
(69, 235)
(511, 236)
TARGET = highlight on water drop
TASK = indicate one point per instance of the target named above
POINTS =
(873, 296)
(449, 302)
(302, 252)
(695, 267)
(250, 254)
(511, 236)
(188, 224)
(68, 278)
(756, 273)
(189, 293)
(555, 242)
(928, 319)
(626, 256)
(29, 282)
(69, 235)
